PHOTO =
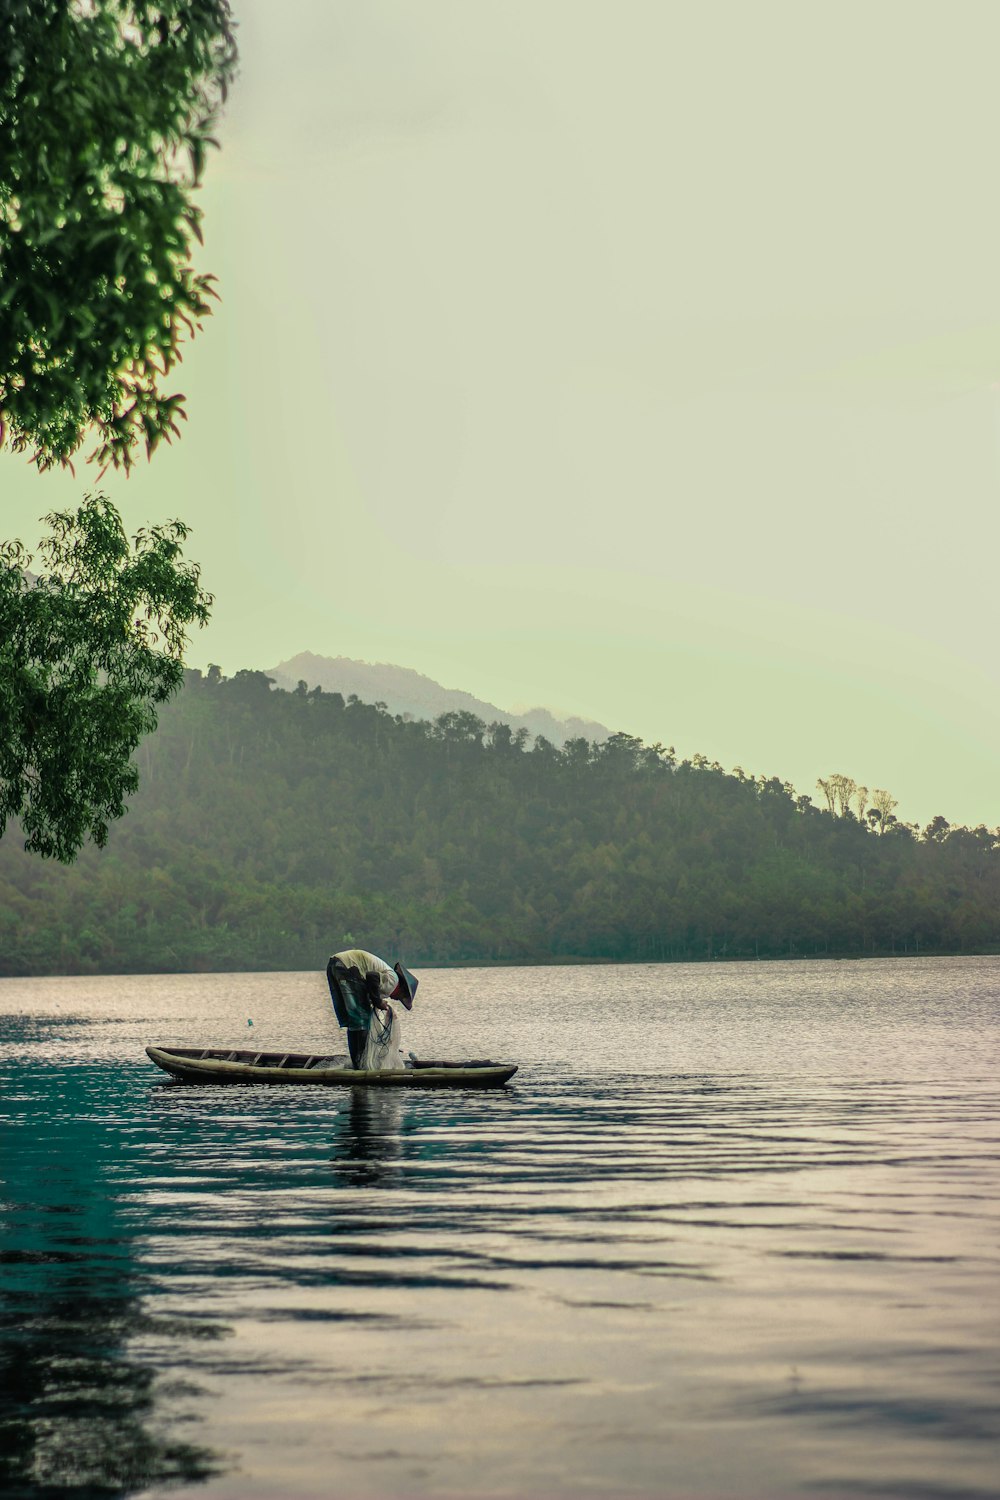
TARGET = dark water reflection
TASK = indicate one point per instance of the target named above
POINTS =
(79, 1414)
(743, 1245)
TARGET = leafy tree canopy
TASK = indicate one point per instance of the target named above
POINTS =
(88, 648)
(106, 114)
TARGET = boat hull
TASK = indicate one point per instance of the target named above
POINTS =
(219, 1065)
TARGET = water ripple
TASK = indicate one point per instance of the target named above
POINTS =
(778, 1235)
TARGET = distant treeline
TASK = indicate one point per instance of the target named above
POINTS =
(272, 828)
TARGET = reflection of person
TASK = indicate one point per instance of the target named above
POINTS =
(366, 1138)
(379, 984)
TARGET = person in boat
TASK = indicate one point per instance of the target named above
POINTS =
(371, 1022)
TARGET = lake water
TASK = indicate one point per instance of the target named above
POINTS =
(732, 1231)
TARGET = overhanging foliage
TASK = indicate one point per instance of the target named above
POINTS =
(88, 648)
(106, 114)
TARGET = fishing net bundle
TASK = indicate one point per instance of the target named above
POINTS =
(382, 1054)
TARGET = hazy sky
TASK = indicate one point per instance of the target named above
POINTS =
(641, 360)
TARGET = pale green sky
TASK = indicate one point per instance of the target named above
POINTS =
(641, 360)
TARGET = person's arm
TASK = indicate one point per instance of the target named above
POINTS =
(380, 982)
(388, 980)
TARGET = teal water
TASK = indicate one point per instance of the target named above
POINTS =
(732, 1231)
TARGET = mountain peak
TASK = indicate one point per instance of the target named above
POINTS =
(405, 691)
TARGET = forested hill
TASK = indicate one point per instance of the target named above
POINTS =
(272, 828)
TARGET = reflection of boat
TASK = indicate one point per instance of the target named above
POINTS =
(225, 1065)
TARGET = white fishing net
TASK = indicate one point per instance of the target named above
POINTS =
(382, 1054)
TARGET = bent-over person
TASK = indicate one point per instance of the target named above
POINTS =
(362, 986)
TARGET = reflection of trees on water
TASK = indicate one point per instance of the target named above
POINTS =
(367, 1138)
(79, 1415)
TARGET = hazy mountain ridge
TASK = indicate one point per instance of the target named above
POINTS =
(405, 691)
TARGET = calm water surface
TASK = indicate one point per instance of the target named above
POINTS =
(731, 1232)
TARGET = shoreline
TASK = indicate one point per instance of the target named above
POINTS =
(561, 962)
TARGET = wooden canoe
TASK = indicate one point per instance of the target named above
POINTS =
(226, 1065)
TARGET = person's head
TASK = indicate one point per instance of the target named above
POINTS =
(406, 988)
